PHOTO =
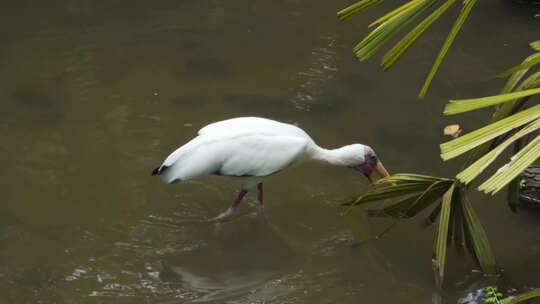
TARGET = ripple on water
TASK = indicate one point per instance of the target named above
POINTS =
(129, 268)
(315, 78)
(328, 246)
(161, 258)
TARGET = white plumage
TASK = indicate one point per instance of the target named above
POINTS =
(237, 147)
(253, 148)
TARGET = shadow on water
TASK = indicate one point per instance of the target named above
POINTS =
(38, 103)
(207, 66)
(33, 98)
(162, 258)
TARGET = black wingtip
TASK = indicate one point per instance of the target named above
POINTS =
(156, 171)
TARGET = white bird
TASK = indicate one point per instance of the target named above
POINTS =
(252, 148)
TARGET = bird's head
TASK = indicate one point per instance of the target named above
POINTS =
(362, 158)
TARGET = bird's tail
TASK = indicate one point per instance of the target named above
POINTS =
(165, 174)
(157, 171)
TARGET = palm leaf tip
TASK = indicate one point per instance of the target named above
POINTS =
(478, 240)
(476, 138)
(473, 170)
(393, 23)
(356, 8)
(508, 172)
(394, 13)
(535, 45)
(458, 24)
(442, 235)
(408, 40)
(534, 60)
(465, 105)
(399, 185)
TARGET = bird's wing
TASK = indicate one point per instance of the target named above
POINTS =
(252, 124)
(248, 154)
(262, 155)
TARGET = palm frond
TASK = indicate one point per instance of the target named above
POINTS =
(507, 173)
(512, 196)
(489, 141)
(465, 105)
(457, 221)
(399, 185)
(411, 177)
(388, 191)
(358, 7)
(477, 237)
(472, 171)
(535, 45)
(473, 139)
(517, 75)
(386, 30)
(508, 108)
(442, 234)
(395, 21)
(525, 65)
(465, 11)
(400, 10)
(411, 205)
(406, 42)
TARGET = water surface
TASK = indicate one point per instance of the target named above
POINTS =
(96, 93)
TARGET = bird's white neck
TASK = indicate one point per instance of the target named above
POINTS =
(331, 156)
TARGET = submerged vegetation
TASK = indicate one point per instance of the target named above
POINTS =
(515, 123)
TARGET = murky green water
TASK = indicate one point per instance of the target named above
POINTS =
(95, 94)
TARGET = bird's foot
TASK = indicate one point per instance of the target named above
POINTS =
(223, 216)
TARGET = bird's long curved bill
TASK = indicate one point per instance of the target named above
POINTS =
(381, 171)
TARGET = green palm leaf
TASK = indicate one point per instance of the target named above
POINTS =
(410, 177)
(410, 206)
(465, 105)
(535, 45)
(395, 12)
(517, 75)
(406, 42)
(465, 11)
(512, 195)
(403, 184)
(473, 139)
(356, 8)
(471, 172)
(379, 36)
(477, 237)
(508, 108)
(442, 234)
(457, 222)
(429, 198)
(519, 162)
(530, 63)
(395, 210)
(389, 191)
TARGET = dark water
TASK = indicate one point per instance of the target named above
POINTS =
(95, 94)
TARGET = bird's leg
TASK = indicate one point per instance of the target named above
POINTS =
(231, 209)
(260, 197)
